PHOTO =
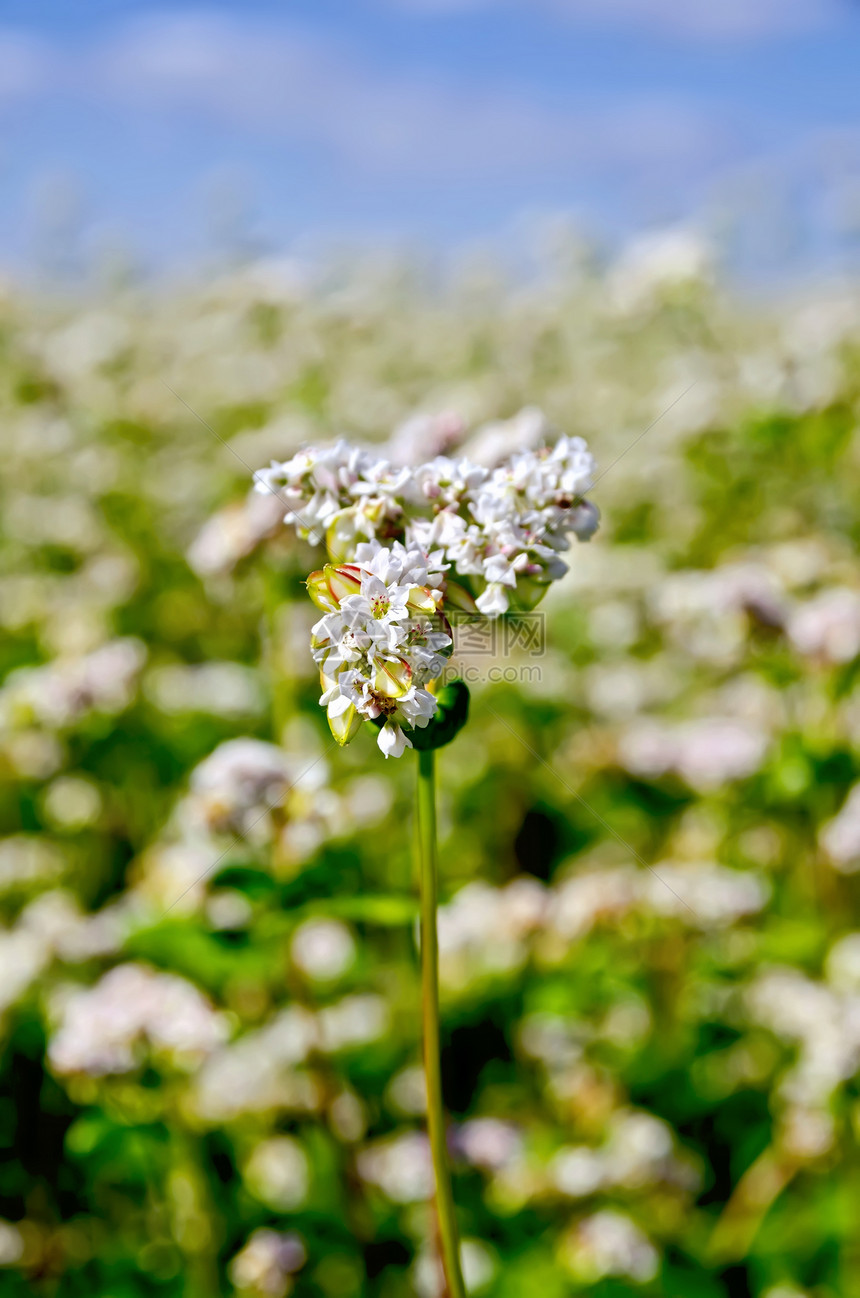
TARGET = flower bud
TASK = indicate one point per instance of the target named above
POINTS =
(422, 599)
(344, 720)
(393, 678)
(328, 586)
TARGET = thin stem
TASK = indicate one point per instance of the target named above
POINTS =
(448, 1238)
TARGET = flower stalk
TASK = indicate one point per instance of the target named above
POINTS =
(427, 866)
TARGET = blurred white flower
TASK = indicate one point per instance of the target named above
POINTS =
(62, 692)
(823, 1022)
(658, 267)
(234, 533)
(278, 1173)
(323, 949)
(706, 753)
(697, 893)
(260, 1070)
(843, 963)
(239, 783)
(348, 1117)
(407, 1091)
(72, 803)
(828, 625)
(267, 1262)
(638, 1151)
(501, 438)
(103, 1029)
(840, 837)
(400, 1166)
(477, 1261)
(224, 689)
(27, 859)
(353, 1021)
(423, 436)
(11, 1244)
(489, 1143)
(23, 956)
(608, 1243)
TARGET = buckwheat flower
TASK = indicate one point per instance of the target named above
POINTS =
(501, 530)
(400, 1166)
(319, 483)
(106, 1028)
(260, 1071)
(278, 1173)
(235, 532)
(11, 1243)
(445, 482)
(439, 433)
(375, 645)
(840, 837)
(489, 1143)
(478, 1263)
(827, 627)
(608, 1243)
(323, 949)
(313, 485)
(526, 509)
(59, 694)
(267, 1263)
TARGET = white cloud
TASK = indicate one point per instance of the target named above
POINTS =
(26, 65)
(284, 82)
(708, 20)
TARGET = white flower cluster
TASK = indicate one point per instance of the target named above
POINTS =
(396, 537)
(103, 1028)
(823, 1021)
(501, 530)
(379, 641)
(609, 1243)
(484, 929)
(707, 752)
(638, 1151)
(268, 1067)
(59, 694)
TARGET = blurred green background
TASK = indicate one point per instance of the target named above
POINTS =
(650, 934)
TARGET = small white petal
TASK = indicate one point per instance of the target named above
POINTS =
(392, 741)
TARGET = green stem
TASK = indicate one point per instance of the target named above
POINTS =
(448, 1238)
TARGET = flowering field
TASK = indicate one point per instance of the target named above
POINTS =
(649, 828)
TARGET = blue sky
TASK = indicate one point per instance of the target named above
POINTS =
(175, 129)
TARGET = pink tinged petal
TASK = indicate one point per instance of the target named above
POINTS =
(392, 741)
(393, 679)
(342, 581)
